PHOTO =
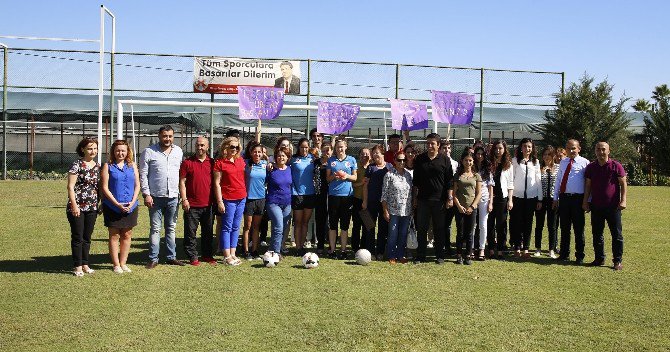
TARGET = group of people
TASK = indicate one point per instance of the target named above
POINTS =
(384, 193)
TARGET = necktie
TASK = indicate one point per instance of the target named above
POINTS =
(564, 181)
(525, 186)
(285, 86)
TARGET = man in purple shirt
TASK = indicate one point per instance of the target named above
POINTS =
(606, 187)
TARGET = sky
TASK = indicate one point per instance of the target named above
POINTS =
(625, 42)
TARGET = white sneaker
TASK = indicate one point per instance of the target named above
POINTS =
(308, 244)
(430, 244)
(552, 255)
(118, 270)
(264, 244)
(126, 269)
(537, 253)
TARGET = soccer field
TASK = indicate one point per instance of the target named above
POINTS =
(526, 305)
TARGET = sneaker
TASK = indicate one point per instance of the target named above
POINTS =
(552, 255)
(209, 260)
(264, 244)
(537, 253)
(468, 261)
(459, 260)
(439, 261)
(78, 273)
(308, 244)
(117, 270)
(430, 244)
(292, 244)
(126, 269)
(617, 266)
(248, 256)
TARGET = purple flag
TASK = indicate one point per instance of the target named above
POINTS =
(260, 103)
(336, 118)
(454, 108)
(407, 115)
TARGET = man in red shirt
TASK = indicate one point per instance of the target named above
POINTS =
(195, 189)
(605, 196)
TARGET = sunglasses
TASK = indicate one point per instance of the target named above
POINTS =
(234, 147)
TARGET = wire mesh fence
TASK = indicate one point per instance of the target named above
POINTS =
(52, 101)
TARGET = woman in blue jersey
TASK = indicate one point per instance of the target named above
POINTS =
(121, 187)
(303, 198)
(340, 173)
(255, 172)
(278, 199)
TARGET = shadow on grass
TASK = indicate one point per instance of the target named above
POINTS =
(62, 264)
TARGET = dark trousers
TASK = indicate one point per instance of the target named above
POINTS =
(81, 229)
(357, 224)
(572, 215)
(465, 231)
(379, 246)
(192, 218)
(613, 218)
(321, 219)
(551, 224)
(448, 219)
(521, 222)
(497, 223)
(426, 211)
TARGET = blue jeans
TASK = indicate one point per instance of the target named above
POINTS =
(164, 212)
(280, 215)
(397, 236)
(230, 223)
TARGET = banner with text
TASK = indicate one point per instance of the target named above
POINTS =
(454, 108)
(407, 115)
(260, 103)
(336, 118)
(223, 74)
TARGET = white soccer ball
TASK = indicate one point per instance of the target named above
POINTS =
(363, 256)
(270, 259)
(310, 260)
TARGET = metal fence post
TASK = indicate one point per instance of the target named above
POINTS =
(111, 97)
(397, 79)
(211, 128)
(481, 104)
(4, 113)
(309, 92)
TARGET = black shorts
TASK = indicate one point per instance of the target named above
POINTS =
(339, 209)
(303, 202)
(254, 207)
(119, 220)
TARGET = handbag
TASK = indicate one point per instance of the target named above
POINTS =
(412, 241)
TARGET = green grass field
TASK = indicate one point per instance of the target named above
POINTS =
(528, 306)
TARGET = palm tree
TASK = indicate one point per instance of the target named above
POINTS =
(661, 92)
(642, 105)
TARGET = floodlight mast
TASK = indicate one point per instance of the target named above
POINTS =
(103, 11)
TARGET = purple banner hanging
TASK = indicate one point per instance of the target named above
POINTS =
(407, 115)
(260, 103)
(336, 118)
(454, 108)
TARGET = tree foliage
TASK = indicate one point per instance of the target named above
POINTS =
(657, 126)
(588, 113)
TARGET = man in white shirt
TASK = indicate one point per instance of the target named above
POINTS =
(568, 197)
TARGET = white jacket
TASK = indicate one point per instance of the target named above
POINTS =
(529, 173)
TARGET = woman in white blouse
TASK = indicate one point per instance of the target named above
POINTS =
(527, 195)
(501, 168)
(397, 207)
